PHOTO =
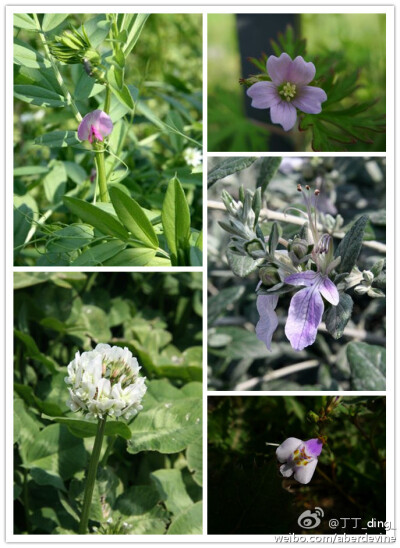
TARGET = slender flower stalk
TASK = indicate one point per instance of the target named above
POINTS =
(104, 382)
(94, 127)
(91, 477)
(101, 173)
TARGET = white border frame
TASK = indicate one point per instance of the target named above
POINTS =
(162, 6)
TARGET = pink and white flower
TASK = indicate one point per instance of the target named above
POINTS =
(95, 126)
(288, 90)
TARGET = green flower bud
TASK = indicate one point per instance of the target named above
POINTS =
(269, 276)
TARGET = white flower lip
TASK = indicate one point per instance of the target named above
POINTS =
(105, 382)
(299, 458)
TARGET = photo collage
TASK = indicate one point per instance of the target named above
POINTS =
(198, 274)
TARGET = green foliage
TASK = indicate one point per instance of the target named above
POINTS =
(352, 190)
(150, 475)
(243, 433)
(368, 366)
(67, 65)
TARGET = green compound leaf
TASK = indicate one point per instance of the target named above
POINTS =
(170, 420)
(96, 217)
(140, 256)
(57, 451)
(194, 456)
(58, 139)
(172, 489)
(188, 522)
(227, 167)
(335, 127)
(175, 216)
(133, 217)
(53, 20)
(82, 428)
(367, 365)
(350, 247)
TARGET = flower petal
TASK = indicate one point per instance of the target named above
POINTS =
(268, 321)
(306, 278)
(278, 67)
(285, 114)
(305, 472)
(98, 120)
(313, 447)
(287, 448)
(286, 470)
(301, 72)
(309, 99)
(305, 314)
(329, 291)
(263, 94)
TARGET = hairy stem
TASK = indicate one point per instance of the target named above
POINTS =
(91, 477)
(270, 215)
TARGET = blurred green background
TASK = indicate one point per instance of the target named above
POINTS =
(358, 38)
(248, 495)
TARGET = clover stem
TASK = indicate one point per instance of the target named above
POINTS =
(101, 173)
(91, 476)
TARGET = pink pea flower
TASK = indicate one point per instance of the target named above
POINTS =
(95, 126)
(306, 307)
(299, 457)
(288, 90)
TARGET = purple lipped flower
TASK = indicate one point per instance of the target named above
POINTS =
(268, 321)
(299, 458)
(95, 126)
(306, 307)
(288, 90)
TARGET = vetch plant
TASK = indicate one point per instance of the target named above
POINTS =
(103, 383)
(287, 90)
(90, 76)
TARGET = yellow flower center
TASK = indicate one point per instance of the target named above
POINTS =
(300, 457)
(288, 91)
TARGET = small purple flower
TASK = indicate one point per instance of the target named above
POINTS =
(288, 90)
(306, 307)
(95, 125)
(268, 321)
(299, 457)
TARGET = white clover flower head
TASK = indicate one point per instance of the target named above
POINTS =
(105, 382)
(193, 156)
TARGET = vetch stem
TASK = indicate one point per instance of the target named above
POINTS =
(101, 172)
(91, 477)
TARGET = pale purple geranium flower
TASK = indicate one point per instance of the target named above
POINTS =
(95, 125)
(299, 458)
(288, 90)
(306, 307)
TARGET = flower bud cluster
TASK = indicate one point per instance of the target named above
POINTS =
(242, 224)
(362, 281)
(105, 382)
(74, 47)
